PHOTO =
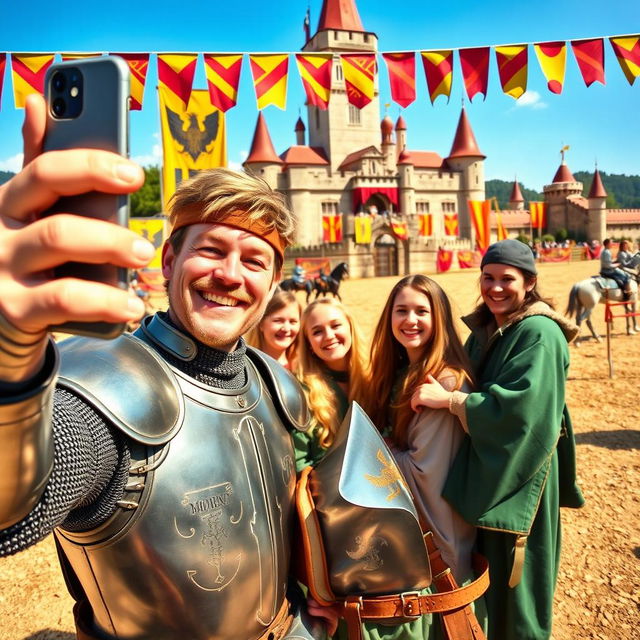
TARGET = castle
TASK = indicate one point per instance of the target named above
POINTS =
(347, 162)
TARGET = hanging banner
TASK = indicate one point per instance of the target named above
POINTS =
(78, 56)
(555, 254)
(589, 55)
(438, 70)
(362, 227)
(444, 258)
(359, 72)
(425, 225)
(192, 139)
(28, 71)
(469, 259)
(479, 211)
(331, 228)
(627, 52)
(501, 231)
(512, 68)
(151, 229)
(138, 67)
(315, 73)
(451, 224)
(399, 230)
(175, 73)
(3, 64)
(552, 57)
(223, 77)
(538, 213)
(402, 76)
(270, 75)
(475, 70)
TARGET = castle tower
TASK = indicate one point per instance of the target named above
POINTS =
(401, 135)
(406, 187)
(388, 145)
(300, 132)
(342, 128)
(597, 222)
(466, 157)
(516, 201)
(263, 161)
(558, 196)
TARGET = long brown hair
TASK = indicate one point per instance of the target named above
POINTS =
(443, 351)
(312, 372)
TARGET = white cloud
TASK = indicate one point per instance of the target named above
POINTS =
(14, 163)
(531, 99)
(237, 165)
(150, 159)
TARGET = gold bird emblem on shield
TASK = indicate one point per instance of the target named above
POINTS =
(389, 477)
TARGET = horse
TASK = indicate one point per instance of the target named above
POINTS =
(331, 283)
(291, 284)
(586, 294)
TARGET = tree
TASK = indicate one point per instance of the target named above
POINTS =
(146, 201)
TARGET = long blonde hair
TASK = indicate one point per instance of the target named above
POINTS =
(443, 351)
(313, 374)
(255, 337)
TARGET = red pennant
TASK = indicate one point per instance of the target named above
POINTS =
(590, 58)
(402, 76)
(475, 70)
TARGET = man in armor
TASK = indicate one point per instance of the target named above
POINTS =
(162, 462)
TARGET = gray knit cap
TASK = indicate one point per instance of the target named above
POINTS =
(510, 252)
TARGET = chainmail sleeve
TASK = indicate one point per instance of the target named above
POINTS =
(90, 468)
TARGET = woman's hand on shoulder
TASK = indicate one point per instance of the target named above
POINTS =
(430, 394)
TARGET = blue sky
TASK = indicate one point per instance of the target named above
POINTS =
(523, 138)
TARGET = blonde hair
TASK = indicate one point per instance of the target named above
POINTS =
(255, 337)
(442, 353)
(322, 399)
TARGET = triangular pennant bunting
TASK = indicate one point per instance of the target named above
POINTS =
(223, 77)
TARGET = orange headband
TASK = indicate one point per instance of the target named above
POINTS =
(193, 214)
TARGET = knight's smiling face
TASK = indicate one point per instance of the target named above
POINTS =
(219, 282)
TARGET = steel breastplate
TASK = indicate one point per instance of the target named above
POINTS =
(204, 553)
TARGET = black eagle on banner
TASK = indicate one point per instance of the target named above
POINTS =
(194, 141)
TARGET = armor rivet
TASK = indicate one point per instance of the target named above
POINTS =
(242, 403)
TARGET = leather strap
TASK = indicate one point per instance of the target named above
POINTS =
(518, 561)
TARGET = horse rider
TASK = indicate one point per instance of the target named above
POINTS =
(625, 258)
(299, 274)
(610, 269)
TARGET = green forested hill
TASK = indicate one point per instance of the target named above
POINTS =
(623, 191)
(501, 189)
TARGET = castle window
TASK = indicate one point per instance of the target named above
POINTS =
(329, 208)
(422, 207)
(317, 117)
(366, 37)
(354, 115)
(338, 67)
(448, 207)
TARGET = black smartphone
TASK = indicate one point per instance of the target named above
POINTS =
(88, 108)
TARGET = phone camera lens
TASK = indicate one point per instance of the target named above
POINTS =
(58, 82)
(59, 107)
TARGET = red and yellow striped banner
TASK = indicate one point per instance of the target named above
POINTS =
(475, 70)
(627, 50)
(444, 258)
(399, 229)
(451, 224)
(438, 70)
(402, 76)
(362, 229)
(501, 232)
(512, 68)
(425, 225)
(359, 73)
(223, 77)
(270, 73)
(331, 228)
(315, 73)
(138, 67)
(78, 56)
(552, 57)
(175, 72)
(3, 64)
(589, 55)
(479, 211)
(28, 71)
(538, 213)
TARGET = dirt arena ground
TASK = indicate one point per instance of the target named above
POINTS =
(598, 595)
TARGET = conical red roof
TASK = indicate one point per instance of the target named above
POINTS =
(262, 148)
(340, 14)
(300, 125)
(401, 125)
(464, 144)
(563, 174)
(597, 188)
(516, 194)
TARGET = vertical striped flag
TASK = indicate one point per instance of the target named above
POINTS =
(359, 73)
(627, 52)
(425, 225)
(402, 76)
(175, 72)
(438, 70)
(28, 71)
(501, 231)
(512, 68)
(362, 229)
(538, 213)
(475, 70)
(138, 67)
(3, 64)
(315, 73)
(451, 224)
(331, 228)
(399, 229)
(479, 211)
(589, 55)
(552, 57)
(444, 258)
(270, 74)
(223, 77)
